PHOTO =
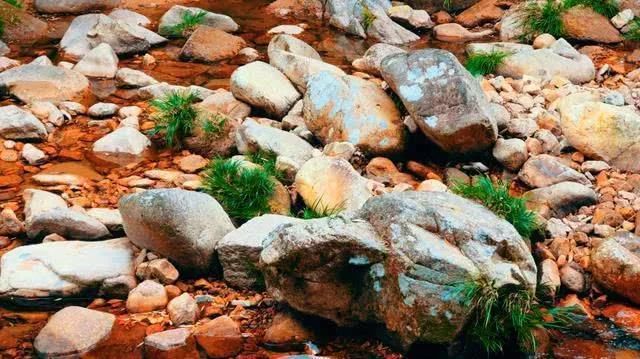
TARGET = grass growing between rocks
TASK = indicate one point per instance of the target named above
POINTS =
(14, 3)
(266, 159)
(188, 23)
(368, 17)
(243, 192)
(508, 316)
(607, 8)
(175, 115)
(496, 197)
(539, 18)
(485, 63)
(634, 30)
(317, 210)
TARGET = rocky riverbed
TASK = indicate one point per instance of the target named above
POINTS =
(319, 179)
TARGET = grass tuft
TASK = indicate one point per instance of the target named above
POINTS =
(502, 317)
(14, 3)
(485, 63)
(496, 197)
(606, 8)
(214, 125)
(175, 115)
(188, 23)
(243, 192)
(267, 160)
(317, 210)
(634, 30)
(368, 17)
(543, 18)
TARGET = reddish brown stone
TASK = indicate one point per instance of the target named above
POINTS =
(219, 338)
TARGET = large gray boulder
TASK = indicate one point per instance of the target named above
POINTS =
(18, 124)
(183, 226)
(347, 108)
(74, 6)
(73, 331)
(396, 262)
(31, 83)
(445, 101)
(174, 16)
(239, 251)
(67, 269)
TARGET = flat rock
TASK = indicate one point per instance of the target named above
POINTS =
(74, 6)
(18, 124)
(546, 170)
(209, 44)
(31, 83)
(347, 108)
(66, 222)
(220, 337)
(181, 225)
(52, 269)
(131, 78)
(73, 331)
(453, 32)
(560, 199)
(174, 16)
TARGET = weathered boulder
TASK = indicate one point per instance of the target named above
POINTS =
(405, 253)
(126, 140)
(560, 59)
(615, 265)
(546, 170)
(444, 100)
(101, 61)
(252, 137)
(69, 223)
(584, 24)
(348, 108)
(181, 225)
(120, 35)
(481, 12)
(331, 184)
(18, 124)
(31, 83)
(23, 28)
(209, 44)
(372, 58)
(67, 269)
(561, 199)
(239, 251)
(74, 44)
(219, 338)
(175, 15)
(74, 6)
(602, 131)
(297, 60)
(72, 332)
(410, 18)
(262, 85)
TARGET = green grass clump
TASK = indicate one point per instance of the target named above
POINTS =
(317, 210)
(267, 160)
(607, 8)
(188, 23)
(543, 18)
(214, 125)
(634, 30)
(243, 192)
(496, 197)
(14, 3)
(368, 17)
(485, 63)
(175, 115)
(506, 317)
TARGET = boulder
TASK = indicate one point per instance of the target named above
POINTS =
(405, 252)
(101, 61)
(602, 131)
(253, 137)
(453, 32)
(181, 225)
(18, 124)
(126, 140)
(53, 269)
(174, 16)
(332, 184)
(147, 297)
(23, 28)
(546, 170)
(263, 86)
(410, 18)
(584, 24)
(560, 59)
(615, 265)
(69, 223)
(220, 337)
(372, 58)
(74, 43)
(74, 6)
(72, 332)
(297, 60)
(173, 343)
(38, 201)
(561, 199)
(31, 83)
(443, 99)
(239, 251)
(121, 36)
(347, 108)
(209, 44)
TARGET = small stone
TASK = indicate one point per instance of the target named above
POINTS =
(129, 111)
(432, 186)
(549, 275)
(33, 155)
(220, 338)
(101, 62)
(103, 109)
(192, 163)
(72, 108)
(130, 78)
(183, 310)
(343, 150)
(174, 343)
(287, 329)
(572, 279)
(9, 155)
(622, 18)
(146, 297)
(543, 41)
(511, 153)
(10, 225)
(159, 269)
